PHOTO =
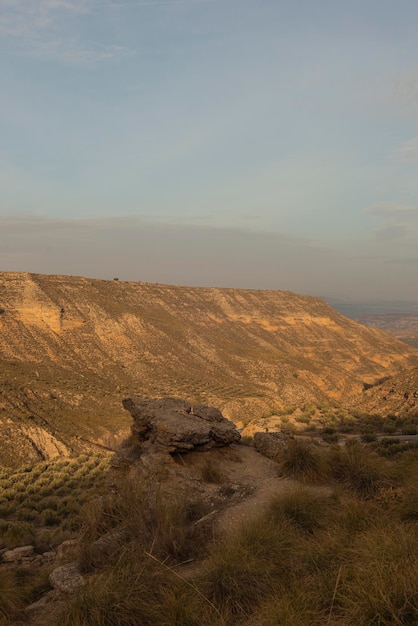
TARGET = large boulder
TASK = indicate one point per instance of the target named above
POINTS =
(272, 444)
(172, 425)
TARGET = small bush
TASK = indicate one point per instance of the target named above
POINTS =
(50, 517)
(346, 424)
(305, 418)
(389, 428)
(330, 437)
(15, 534)
(409, 429)
(368, 437)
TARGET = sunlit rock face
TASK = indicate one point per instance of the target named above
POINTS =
(172, 425)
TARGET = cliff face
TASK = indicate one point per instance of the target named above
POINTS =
(71, 348)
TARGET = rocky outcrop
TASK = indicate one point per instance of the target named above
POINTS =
(25, 556)
(171, 425)
(271, 445)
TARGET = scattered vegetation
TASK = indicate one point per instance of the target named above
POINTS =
(316, 555)
(42, 504)
(337, 549)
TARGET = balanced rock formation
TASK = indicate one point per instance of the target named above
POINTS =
(172, 425)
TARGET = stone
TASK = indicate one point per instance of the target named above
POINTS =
(42, 603)
(67, 548)
(107, 546)
(66, 578)
(271, 445)
(18, 554)
(172, 425)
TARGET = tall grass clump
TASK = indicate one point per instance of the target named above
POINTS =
(380, 583)
(288, 607)
(158, 519)
(11, 596)
(134, 591)
(360, 469)
(302, 507)
(303, 461)
(244, 569)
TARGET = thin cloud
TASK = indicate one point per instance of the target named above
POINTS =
(40, 29)
(29, 17)
(138, 5)
(395, 212)
(396, 222)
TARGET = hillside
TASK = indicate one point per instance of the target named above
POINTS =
(398, 396)
(403, 326)
(71, 348)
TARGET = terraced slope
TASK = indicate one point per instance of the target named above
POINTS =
(72, 347)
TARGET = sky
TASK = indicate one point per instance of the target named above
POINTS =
(266, 144)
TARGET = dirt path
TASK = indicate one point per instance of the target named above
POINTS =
(260, 481)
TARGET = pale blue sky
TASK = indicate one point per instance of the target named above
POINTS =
(280, 137)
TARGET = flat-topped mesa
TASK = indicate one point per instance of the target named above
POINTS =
(172, 425)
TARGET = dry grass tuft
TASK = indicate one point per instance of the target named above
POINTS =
(303, 461)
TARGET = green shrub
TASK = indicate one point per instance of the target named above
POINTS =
(389, 428)
(346, 424)
(305, 418)
(368, 437)
(50, 517)
(330, 437)
(409, 429)
(15, 534)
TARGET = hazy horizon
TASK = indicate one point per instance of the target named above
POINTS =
(190, 256)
